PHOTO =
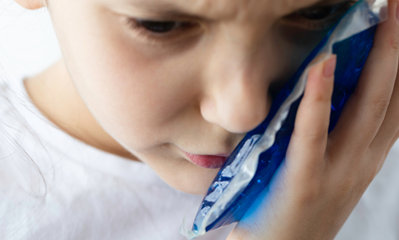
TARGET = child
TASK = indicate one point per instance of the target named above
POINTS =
(162, 89)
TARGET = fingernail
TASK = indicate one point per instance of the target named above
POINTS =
(329, 66)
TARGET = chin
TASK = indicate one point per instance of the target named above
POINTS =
(194, 181)
(180, 173)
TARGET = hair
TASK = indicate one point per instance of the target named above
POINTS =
(9, 133)
(17, 125)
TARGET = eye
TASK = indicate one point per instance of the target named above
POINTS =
(321, 17)
(159, 27)
(318, 13)
(161, 32)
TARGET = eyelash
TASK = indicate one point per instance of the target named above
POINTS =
(153, 37)
(313, 25)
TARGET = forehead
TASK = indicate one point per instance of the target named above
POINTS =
(226, 8)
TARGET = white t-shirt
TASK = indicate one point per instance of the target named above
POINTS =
(53, 186)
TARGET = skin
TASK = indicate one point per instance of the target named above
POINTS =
(200, 92)
(149, 100)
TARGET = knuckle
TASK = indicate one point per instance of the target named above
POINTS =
(311, 136)
(321, 98)
(389, 46)
(315, 136)
(394, 44)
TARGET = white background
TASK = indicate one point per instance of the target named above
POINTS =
(28, 44)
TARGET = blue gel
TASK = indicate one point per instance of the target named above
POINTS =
(351, 56)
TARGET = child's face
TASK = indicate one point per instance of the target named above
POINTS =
(161, 89)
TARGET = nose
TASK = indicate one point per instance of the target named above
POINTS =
(236, 86)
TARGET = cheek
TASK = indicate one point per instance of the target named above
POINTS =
(134, 96)
(298, 44)
(291, 46)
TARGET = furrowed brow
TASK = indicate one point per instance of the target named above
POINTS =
(168, 9)
(204, 9)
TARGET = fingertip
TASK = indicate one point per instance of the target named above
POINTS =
(321, 79)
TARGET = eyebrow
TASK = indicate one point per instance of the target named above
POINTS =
(170, 9)
(163, 8)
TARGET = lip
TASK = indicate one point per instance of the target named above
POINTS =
(207, 161)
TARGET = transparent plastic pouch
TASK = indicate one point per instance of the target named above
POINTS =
(251, 166)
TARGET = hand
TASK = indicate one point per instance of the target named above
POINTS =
(324, 176)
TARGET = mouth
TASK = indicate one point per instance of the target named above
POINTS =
(207, 161)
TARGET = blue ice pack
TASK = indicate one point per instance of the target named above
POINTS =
(251, 166)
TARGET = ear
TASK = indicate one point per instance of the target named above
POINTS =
(31, 4)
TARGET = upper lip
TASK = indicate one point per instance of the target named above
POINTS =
(215, 155)
(220, 154)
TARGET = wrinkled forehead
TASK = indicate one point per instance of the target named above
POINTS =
(225, 9)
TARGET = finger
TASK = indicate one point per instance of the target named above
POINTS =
(366, 109)
(309, 139)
